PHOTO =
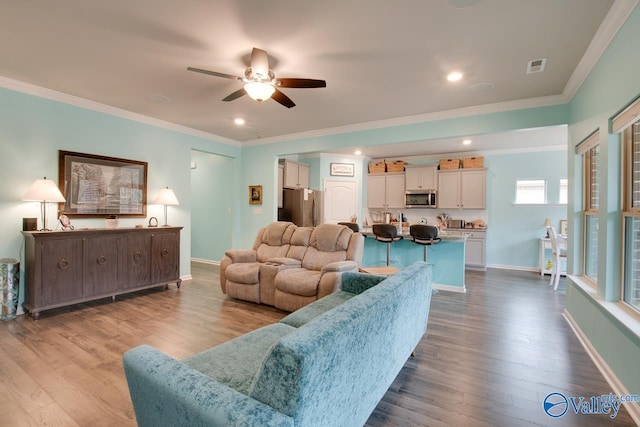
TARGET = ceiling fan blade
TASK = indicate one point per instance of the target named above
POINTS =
(282, 99)
(235, 95)
(260, 63)
(214, 73)
(301, 83)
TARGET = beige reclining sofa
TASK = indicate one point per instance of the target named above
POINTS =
(289, 266)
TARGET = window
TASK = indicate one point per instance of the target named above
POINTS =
(631, 214)
(530, 191)
(564, 191)
(590, 151)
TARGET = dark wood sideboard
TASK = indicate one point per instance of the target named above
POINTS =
(69, 267)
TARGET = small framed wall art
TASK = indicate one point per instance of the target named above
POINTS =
(255, 194)
(342, 169)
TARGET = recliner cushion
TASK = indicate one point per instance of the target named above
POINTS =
(246, 273)
(298, 281)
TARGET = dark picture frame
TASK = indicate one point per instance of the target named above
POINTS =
(99, 186)
(255, 194)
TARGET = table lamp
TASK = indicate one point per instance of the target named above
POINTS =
(546, 225)
(166, 197)
(43, 191)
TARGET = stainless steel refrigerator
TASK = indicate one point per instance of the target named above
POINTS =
(303, 207)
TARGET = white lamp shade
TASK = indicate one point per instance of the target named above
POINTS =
(547, 223)
(166, 197)
(43, 190)
(259, 91)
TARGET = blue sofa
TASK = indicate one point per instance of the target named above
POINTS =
(326, 364)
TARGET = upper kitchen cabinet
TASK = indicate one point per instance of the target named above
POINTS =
(296, 175)
(385, 190)
(421, 177)
(462, 189)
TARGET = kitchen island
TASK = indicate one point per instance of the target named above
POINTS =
(447, 257)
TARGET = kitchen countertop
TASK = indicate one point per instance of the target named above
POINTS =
(450, 234)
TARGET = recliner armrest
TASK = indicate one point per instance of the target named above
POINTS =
(288, 262)
(242, 255)
(340, 266)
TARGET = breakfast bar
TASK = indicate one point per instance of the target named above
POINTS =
(447, 257)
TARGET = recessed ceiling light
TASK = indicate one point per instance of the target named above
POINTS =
(238, 121)
(357, 152)
(481, 87)
(454, 76)
(466, 142)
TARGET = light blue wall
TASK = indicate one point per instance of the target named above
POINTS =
(33, 129)
(212, 183)
(258, 165)
(514, 231)
(610, 86)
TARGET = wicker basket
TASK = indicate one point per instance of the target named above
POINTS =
(397, 166)
(473, 162)
(449, 164)
(379, 167)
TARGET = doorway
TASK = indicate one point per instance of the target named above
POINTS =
(212, 201)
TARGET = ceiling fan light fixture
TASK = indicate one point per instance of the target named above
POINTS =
(259, 91)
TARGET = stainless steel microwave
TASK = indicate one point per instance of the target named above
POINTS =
(420, 199)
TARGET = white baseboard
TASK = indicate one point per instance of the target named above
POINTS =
(616, 385)
(449, 288)
(186, 277)
(205, 261)
(514, 267)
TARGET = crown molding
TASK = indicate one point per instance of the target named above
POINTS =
(65, 98)
(420, 118)
(611, 24)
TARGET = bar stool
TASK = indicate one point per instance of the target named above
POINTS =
(425, 235)
(351, 225)
(386, 233)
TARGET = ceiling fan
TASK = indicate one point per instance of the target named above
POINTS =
(261, 84)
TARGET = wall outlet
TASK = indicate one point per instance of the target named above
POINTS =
(257, 211)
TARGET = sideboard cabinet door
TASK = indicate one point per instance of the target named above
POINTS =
(165, 257)
(61, 277)
(135, 260)
(100, 265)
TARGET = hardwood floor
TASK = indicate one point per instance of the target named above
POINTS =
(489, 358)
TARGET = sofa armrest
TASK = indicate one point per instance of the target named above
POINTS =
(241, 255)
(166, 392)
(288, 262)
(340, 266)
(357, 283)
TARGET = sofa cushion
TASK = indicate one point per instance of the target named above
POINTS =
(245, 273)
(315, 259)
(316, 308)
(299, 242)
(357, 283)
(331, 237)
(236, 362)
(278, 233)
(298, 281)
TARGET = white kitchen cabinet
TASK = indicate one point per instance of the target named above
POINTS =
(460, 189)
(385, 190)
(296, 175)
(475, 250)
(421, 177)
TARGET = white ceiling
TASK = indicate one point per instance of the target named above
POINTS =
(382, 60)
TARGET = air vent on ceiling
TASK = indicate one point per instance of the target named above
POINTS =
(536, 65)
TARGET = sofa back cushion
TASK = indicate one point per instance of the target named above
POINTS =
(299, 242)
(334, 370)
(328, 243)
(273, 240)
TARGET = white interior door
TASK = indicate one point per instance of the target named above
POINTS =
(340, 200)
